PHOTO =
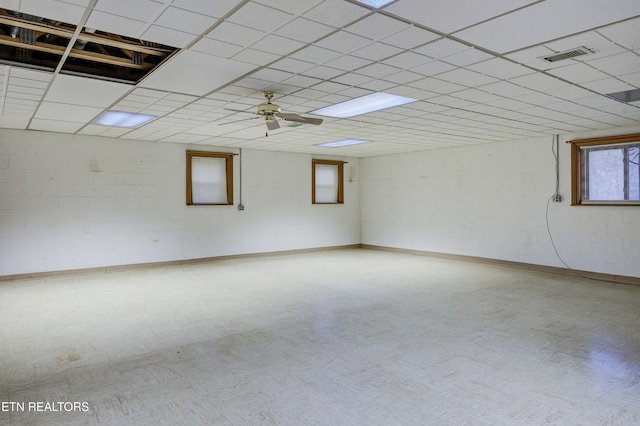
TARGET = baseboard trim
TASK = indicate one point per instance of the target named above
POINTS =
(149, 265)
(618, 279)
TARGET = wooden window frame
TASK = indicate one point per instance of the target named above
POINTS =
(577, 171)
(340, 164)
(228, 156)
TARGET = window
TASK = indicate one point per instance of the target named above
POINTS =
(327, 182)
(606, 171)
(209, 178)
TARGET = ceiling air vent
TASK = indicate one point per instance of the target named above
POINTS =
(567, 54)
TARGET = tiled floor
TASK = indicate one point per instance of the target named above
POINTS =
(342, 337)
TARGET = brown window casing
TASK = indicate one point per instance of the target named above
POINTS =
(340, 165)
(577, 171)
(228, 156)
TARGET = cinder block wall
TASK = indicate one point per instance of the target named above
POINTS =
(73, 202)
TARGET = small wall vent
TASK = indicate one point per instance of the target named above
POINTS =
(567, 54)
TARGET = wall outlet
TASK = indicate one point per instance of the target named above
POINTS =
(240, 207)
(557, 198)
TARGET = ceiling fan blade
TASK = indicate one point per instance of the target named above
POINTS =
(299, 118)
(239, 110)
(235, 121)
(273, 125)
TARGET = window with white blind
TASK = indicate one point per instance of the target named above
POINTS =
(209, 178)
(327, 182)
(606, 171)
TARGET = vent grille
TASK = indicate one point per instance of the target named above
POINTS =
(578, 51)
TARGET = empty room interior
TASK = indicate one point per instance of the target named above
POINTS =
(407, 212)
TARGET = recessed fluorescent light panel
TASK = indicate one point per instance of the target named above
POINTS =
(123, 119)
(376, 3)
(343, 142)
(363, 105)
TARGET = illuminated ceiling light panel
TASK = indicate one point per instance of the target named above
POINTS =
(343, 142)
(123, 119)
(363, 105)
(376, 3)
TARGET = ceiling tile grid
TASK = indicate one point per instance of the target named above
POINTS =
(475, 69)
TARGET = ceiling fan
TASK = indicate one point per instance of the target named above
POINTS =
(272, 113)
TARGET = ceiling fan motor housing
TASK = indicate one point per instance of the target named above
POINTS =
(268, 109)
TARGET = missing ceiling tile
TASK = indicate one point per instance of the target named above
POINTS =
(40, 43)
(568, 54)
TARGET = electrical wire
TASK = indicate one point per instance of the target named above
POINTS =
(554, 150)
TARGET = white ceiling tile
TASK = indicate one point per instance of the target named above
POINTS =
(215, 9)
(454, 14)
(184, 20)
(575, 73)
(236, 34)
(322, 72)
(336, 13)
(315, 55)
(547, 20)
(304, 30)
(570, 92)
(539, 81)
(506, 89)
(407, 60)
(295, 7)
(116, 24)
(292, 65)
(224, 49)
(54, 125)
(403, 77)
(377, 85)
(271, 75)
(466, 77)
(352, 79)
(142, 10)
(500, 68)
(410, 37)
(302, 81)
(277, 45)
(343, 42)
(376, 51)
(14, 121)
(190, 73)
(167, 36)
(85, 91)
(624, 33)
(467, 57)
(437, 86)
(442, 48)
(56, 10)
(376, 27)
(66, 112)
(347, 63)
(591, 40)
(620, 64)
(631, 78)
(607, 85)
(260, 17)
(433, 68)
(255, 57)
(378, 70)
(330, 87)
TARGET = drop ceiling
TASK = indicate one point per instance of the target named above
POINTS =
(475, 68)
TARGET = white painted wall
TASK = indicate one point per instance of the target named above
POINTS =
(71, 202)
(490, 201)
